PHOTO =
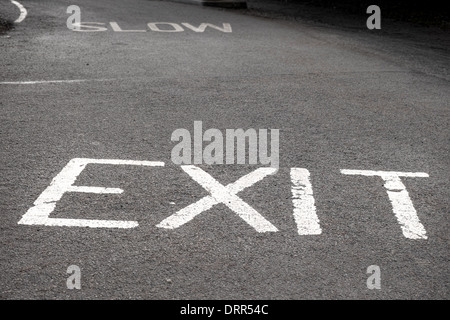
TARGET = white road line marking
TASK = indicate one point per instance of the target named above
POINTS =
(384, 173)
(226, 27)
(63, 182)
(401, 202)
(154, 27)
(58, 222)
(53, 81)
(23, 11)
(222, 194)
(304, 204)
(116, 28)
(94, 190)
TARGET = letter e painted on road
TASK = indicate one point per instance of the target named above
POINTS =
(44, 205)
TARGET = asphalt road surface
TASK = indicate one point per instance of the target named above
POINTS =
(341, 98)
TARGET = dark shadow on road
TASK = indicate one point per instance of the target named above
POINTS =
(5, 25)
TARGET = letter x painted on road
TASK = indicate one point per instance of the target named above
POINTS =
(222, 194)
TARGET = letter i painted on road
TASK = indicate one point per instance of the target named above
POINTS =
(304, 204)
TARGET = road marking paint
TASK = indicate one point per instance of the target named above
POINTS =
(23, 11)
(402, 205)
(116, 28)
(154, 27)
(88, 27)
(304, 204)
(384, 173)
(201, 28)
(53, 81)
(63, 183)
(222, 194)
(94, 190)
(303, 200)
